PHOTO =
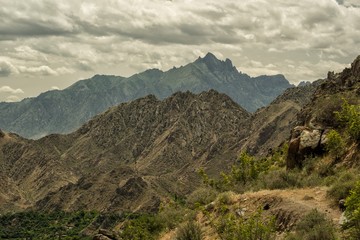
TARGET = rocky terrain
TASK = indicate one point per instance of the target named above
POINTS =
(143, 155)
(66, 110)
(128, 157)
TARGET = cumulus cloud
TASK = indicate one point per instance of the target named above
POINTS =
(7, 89)
(6, 68)
(42, 70)
(72, 38)
(12, 98)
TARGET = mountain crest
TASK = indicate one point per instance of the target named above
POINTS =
(214, 64)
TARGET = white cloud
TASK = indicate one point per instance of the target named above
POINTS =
(42, 70)
(73, 38)
(12, 98)
(7, 89)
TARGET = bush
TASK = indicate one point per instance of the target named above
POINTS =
(353, 211)
(201, 197)
(190, 231)
(255, 226)
(349, 117)
(342, 186)
(314, 226)
(144, 226)
(170, 216)
(280, 179)
(335, 145)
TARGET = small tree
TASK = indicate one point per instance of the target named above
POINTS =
(335, 144)
(349, 117)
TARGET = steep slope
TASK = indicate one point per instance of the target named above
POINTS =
(317, 119)
(271, 125)
(66, 110)
(128, 157)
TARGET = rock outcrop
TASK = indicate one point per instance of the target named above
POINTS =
(304, 142)
(316, 118)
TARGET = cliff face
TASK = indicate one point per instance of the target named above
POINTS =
(318, 117)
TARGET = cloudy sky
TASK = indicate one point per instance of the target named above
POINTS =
(47, 44)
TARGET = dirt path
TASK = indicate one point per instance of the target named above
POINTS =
(288, 206)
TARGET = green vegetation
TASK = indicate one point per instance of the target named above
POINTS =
(341, 184)
(201, 197)
(145, 226)
(335, 145)
(353, 212)
(190, 231)
(349, 117)
(312, 227)
(245, 171)
(38, 225)
(148, 226)
(255, 226)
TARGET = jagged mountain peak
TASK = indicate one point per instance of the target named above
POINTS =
(215, 64)
(66, 110)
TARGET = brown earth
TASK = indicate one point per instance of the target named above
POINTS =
(287, 206)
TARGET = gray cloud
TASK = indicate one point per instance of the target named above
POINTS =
(72, 39)
(6, 68)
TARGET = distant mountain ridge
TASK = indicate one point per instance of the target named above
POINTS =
(63, 111)
(139, 153)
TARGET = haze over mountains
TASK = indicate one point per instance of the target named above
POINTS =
(66, 110)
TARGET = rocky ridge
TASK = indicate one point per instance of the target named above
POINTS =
(63, 111)
(129, 157)
(318, 117)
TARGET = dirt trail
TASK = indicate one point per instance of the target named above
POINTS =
(288, 206)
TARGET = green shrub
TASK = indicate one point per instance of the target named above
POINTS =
(335, 145)
(280, 179)
(340, 188)
(170, 216)
(144, 226)
(314, 226)
(190, 231)
(349, 117)
(353, 211)
(255, 226)
(201, 197)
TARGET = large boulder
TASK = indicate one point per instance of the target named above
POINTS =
(309, 140)
(304, 142)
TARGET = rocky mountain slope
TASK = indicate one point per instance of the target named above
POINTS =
(271, 125)
(127, 158)
(136, 153)
(146, 152)
(66, 110)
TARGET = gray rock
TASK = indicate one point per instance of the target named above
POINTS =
(309, 139)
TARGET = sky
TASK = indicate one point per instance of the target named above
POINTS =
(47, 44)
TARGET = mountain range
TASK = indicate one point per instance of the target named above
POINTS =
(142, 155)
(134, 155)
(63, 111)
